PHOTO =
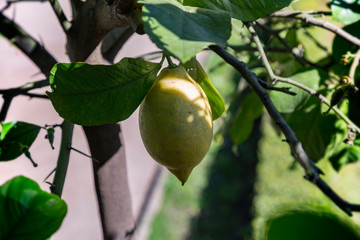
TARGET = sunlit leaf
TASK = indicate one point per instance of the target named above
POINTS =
(184, 31)
(196, 71)
(242, 9)
(345, 11)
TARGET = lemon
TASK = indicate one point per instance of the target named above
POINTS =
(175, 122)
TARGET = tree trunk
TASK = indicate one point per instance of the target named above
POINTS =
(111, 181)
(92, 20)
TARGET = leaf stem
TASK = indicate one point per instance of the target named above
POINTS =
(63, 159)
(262, 52)
(170, 62)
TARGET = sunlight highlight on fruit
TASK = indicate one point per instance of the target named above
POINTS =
(175, 122)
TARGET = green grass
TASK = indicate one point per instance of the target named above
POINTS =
(280, 191)
(180, 204)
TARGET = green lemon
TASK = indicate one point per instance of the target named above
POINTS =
(175, 122)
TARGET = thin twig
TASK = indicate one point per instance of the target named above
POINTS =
(31, 48)
(269, 86)
(5, 107)
(310, 12)
(305, 88)
(311, 171)
(309, 19)
(353, 67)
(296, 55)
(322, 100)
(9, 94)
(84, 154)
(252, 80)
(25, 88)
(63, 159)
(35, 95)
(261, 51)
(65, 24)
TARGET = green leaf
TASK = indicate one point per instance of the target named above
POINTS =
(196, 71)
(251, 108)
(345, 155)
(345, 11)
(242, 9)
(342, 46)
(97, 94)
(314, 131)
(286, 103)
(27, 212)
(14, 136)
(184, 31)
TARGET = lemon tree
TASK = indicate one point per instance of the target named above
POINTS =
(270, 63)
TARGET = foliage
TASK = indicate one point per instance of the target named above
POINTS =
(281, 202)
(16, 138)
(217, 103)
(289, 57)
(26, 210)
(93, 95)
(345, 11)
(189, 32)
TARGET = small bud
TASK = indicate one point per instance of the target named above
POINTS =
(50, 136)
(345, 61)
(25, 150)
(345, 80)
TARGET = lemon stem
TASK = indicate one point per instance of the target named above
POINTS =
(170, 62)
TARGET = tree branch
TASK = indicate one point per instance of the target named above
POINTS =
(27, 44)
(114, 41)
(92, 21)
(296, 53)
(25, 88)
(319, 23)
(353, 67)
(65, 24)
(311, 171)
(5, 107)
(63, 158)
(274, 78)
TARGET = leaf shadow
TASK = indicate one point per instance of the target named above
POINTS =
(354, 7)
